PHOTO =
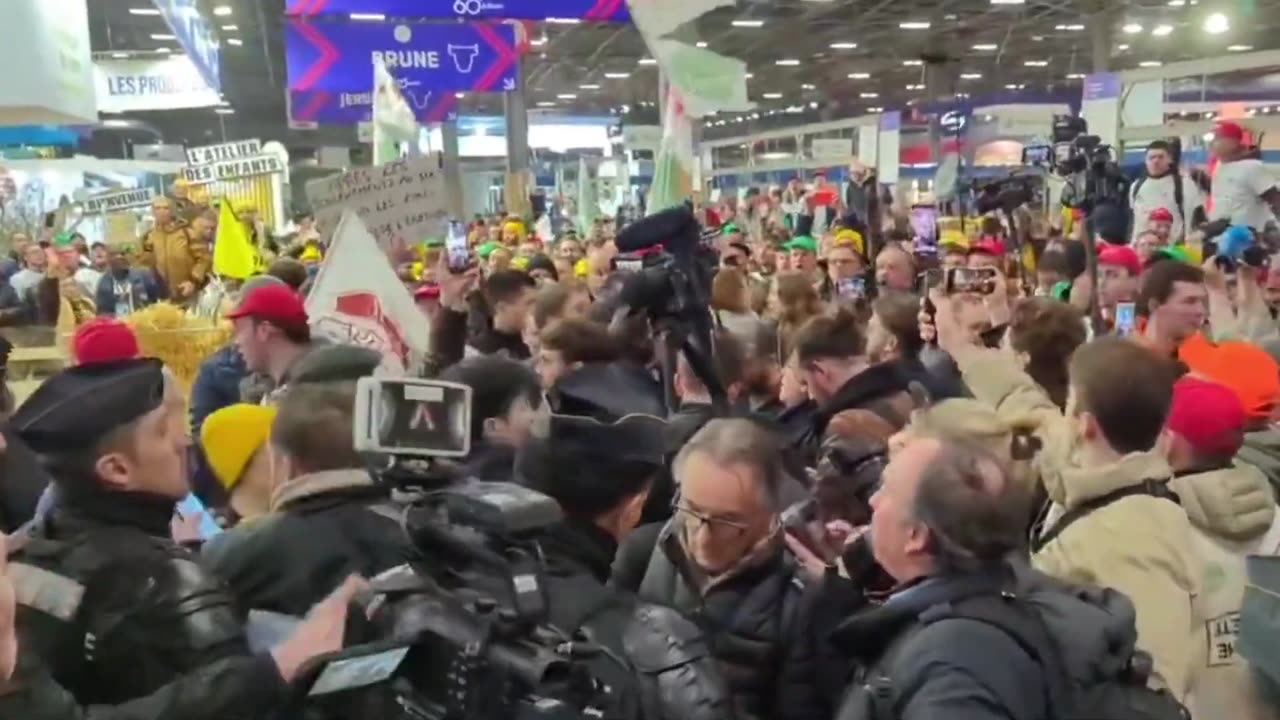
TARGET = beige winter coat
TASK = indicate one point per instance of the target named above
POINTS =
(1139, 545)
(1234, 514)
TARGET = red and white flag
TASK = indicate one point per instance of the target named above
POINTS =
(357, 299)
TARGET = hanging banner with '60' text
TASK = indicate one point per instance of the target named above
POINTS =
(330, 66)
(598, 10)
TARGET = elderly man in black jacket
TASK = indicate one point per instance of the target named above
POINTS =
(722, 561)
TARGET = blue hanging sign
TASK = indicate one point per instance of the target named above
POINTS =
(597, 10)
(196, 37)
(330, 66)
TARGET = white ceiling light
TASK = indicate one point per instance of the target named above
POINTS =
(1216, 24)
(1008, 2)
(772, 96)
(1150, 63)
(588, 87)
(617, 75)
(460, 95)
(231, 28)
(748, 23)
(859, 76)
(875, 109)
(1162, 30)
(368, 17)
(1177, 3)
(970, 76)
(225, 111)
(788, 62)
(749, 75)
(869, 95)
(701, 43)
(547, 103)
(915, 25)
(161, 36)
(119, 55)
(1239, 48)
(235, 41)
(163, 50)
(807, 86)
(912, 63)
(986, 47)
(1069, 28)
(648, 61)
(1132, 28)
(1036, 63)
(1014, 86)
(563, 21)
(844, 46)
(143, 11)
(567, 96)
(1075, 76)
(1122, 47)
(915, 87)
(222, 10)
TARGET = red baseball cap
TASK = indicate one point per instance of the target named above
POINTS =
(1209, 416)
(1122, 256)
(276, 304)
(1230, 130)
(104, 340)
(988, 246)
(1161, 215)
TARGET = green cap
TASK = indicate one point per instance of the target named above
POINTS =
(1061, 290)
(729, 229)
(62, 239)
(486, 249)
(803, 242)
(1173, 252)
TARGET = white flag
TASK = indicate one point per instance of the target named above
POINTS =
(393, 121)
(357, 299)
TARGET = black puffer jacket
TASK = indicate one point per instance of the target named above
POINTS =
(293, 558)
(756, 621)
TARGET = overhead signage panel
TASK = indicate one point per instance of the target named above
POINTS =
(168, 84)
(596, 10)
(195, 34)
(330, 66)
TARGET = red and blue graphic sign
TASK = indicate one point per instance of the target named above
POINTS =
(330, 66)
(595, 10)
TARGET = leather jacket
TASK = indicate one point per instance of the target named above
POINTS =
(114, 608)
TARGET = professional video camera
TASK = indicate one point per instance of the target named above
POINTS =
(672, 264)
(1007, 194)
(1088, 163)
(460, 633)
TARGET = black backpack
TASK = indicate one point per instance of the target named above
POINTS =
(1123, 696)
(1151, 488)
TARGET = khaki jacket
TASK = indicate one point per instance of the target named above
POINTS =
(1234, 514)
(1139, 545)
(176, 256)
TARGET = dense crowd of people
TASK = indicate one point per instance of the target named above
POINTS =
(1013, 474)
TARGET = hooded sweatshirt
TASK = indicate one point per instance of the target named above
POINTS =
(1233, 512)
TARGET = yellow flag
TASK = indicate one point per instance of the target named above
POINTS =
(233, 255)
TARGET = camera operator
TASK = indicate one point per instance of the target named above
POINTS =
(505, 396)
(1163, 189)
(321, 525)
(600, 475)
(115, 448)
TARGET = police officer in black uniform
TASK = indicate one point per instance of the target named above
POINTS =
(655, 660)
(113, 608)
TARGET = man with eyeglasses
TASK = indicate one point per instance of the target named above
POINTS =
(722, 560)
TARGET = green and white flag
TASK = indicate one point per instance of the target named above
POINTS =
(393, 120)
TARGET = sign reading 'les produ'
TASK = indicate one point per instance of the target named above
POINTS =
(330, 66)
(229, 161)
(598, 10)
(168, 84)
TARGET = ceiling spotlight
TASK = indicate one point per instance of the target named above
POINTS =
(143, 11)
(970, 76)
(161, 36)
(860, 76)
(772, 96)
(567, 96)
(788, 62)
(915, 25)
(915, 87)
(748, 23)
(813, 106)
(546, 103)
(701, 43)
(1036, 63)
(225, 111)
(1122, 47)
(648, 61)
(986, 47)
(912, 63)
(235, 41)
(617, 75)
(1162, 30)
(1008, 2)
(538, 41)
(119, 55)
(460, 95)
(1239, 48)
(222, 10)
(231, 28)
(875, 109)
(749, 75)
(1216, 24)
(869, 95)
(1075, 76)
(1150, 63)
(1069, 28)
(1013, 86)
(844, 46)
(807, 86)
(163, 50)
(1132, 28)
(1177, 3)
(588, 87)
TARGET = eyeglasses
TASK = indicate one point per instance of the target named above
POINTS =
(714, 524)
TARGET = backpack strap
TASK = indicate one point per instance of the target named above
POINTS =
(1151, 488)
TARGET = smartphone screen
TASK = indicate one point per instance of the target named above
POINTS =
(1126, 319)
(192, 505)
(456, 247)
(852, 287)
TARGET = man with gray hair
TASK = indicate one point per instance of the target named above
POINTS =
(722, 560)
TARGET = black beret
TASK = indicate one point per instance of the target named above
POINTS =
(334, 363)
(78, 407)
